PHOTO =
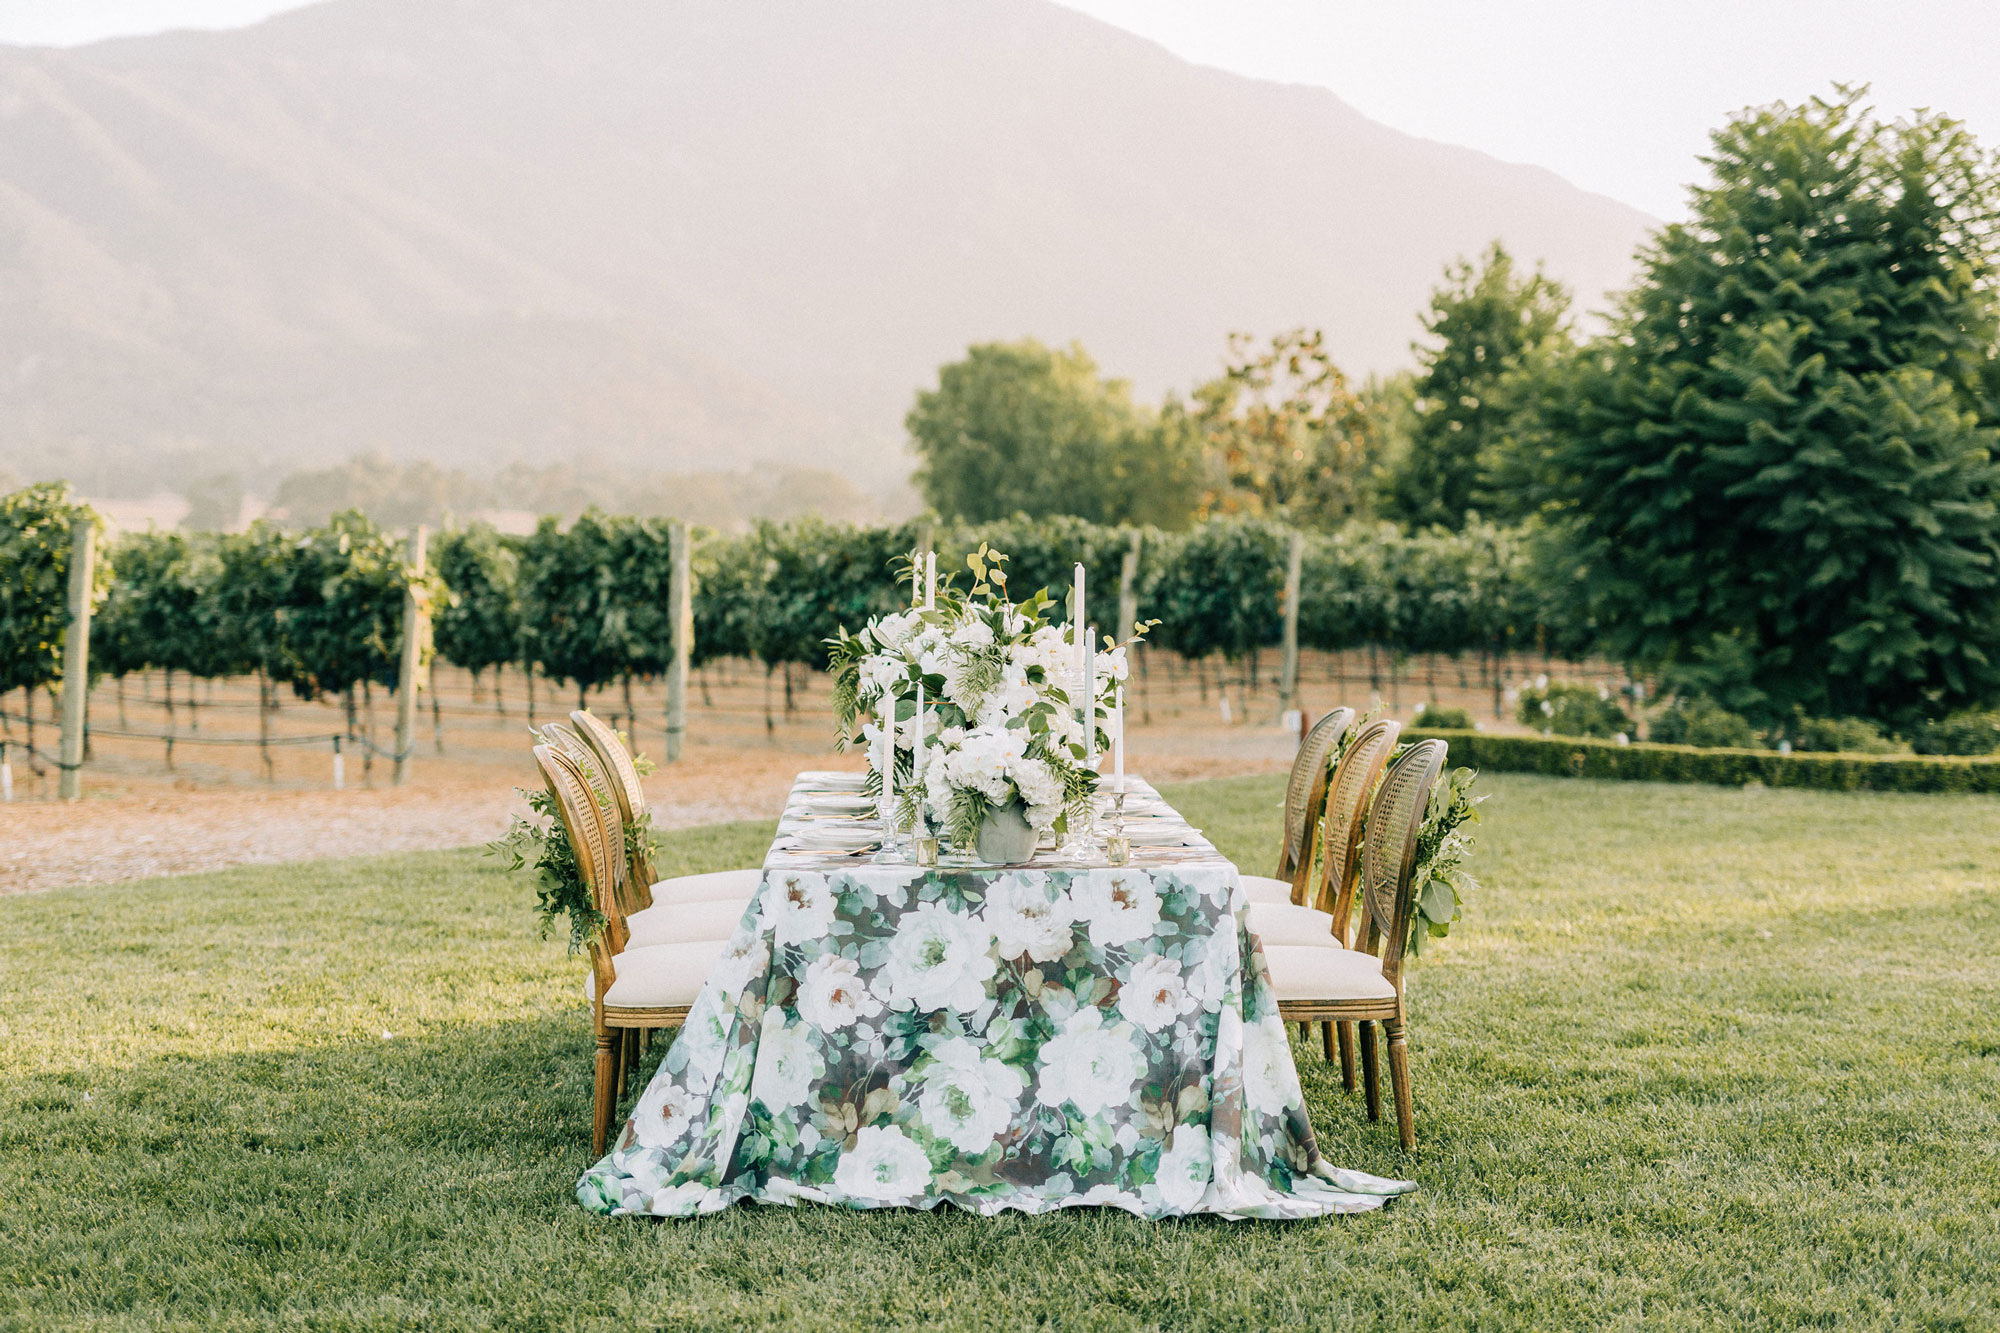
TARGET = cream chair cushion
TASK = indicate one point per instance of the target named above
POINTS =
(679, 923)
(1264, 889)
(1303, 972)
(1284, 923)
(659, 976)
(714, 886)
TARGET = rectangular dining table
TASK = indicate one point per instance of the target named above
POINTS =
(1024, 1037)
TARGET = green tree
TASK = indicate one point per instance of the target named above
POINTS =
(1779, 464)
(1483, 322)
(137, 624)
(1023, 428)
(1219, 588)
(594, 599)
(1283, 435)
(478, 624)
(35, 537)
(340, 611)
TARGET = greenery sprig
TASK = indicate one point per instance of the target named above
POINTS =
(1438, 879)
(542, 844)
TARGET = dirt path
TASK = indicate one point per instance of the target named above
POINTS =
(145, 828)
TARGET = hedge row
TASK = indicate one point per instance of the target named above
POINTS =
(1577, 757)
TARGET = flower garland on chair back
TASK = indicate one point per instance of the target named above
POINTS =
(1006, 749)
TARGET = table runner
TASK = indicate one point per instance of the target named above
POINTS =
(1027, 1038)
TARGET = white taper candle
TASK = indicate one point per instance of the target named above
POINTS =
(1090, 698)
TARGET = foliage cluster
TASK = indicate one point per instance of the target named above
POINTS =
(36, 533)
(1572, 710)
(1586, 757)
(1777, 475)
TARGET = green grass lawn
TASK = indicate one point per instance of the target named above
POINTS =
(1697, 1058)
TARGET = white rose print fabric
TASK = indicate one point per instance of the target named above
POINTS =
(1020, 1038)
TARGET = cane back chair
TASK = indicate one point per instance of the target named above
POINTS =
(1357, 985)
(631, 990)
(648, 889)
(1305, 800)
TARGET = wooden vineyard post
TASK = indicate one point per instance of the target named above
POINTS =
(416, 621)
(76, 657)
(1288, 679)
(1128, 589)
(680, 616)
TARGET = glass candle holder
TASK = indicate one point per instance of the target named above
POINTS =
(926, 850)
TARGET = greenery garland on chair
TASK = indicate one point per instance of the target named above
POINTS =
(1438, 879)
(542, 843)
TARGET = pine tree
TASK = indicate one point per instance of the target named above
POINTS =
(1484, 321)
(1779, 466)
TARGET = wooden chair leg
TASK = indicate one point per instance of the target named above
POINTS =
(1399, 1074)
(1346, 1054)
(630, 1066)
(1326, 1031)
(602, 1092)
(1371, 1081)
(1306, 1033)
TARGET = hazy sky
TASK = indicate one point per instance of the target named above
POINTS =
(1616, 95)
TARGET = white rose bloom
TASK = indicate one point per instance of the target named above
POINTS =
(938, 960)
(678, 1200)
(705, 1042)
(833, 996)
(787, 1063)
(884, 674)
(742, 958)
(1155, 994)
(799, 905)
(1270, 1080)
(1207, 985)
(1121, 905)
(885, 1164)
(663, 1118)
(1186, 1168)
(1026, 920)
(1089, 1065)
(1110, 1196)
(968, 1100)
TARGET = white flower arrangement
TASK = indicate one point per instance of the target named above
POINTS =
(1001, 720)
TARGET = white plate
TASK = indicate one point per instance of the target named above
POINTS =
(831, 780)
(1165, 835)
(837, 803)
(821, 838)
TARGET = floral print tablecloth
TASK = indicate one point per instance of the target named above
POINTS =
(1022, 1038)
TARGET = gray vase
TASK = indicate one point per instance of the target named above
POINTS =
(1005, 837)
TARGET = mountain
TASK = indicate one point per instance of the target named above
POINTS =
(677, 234)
